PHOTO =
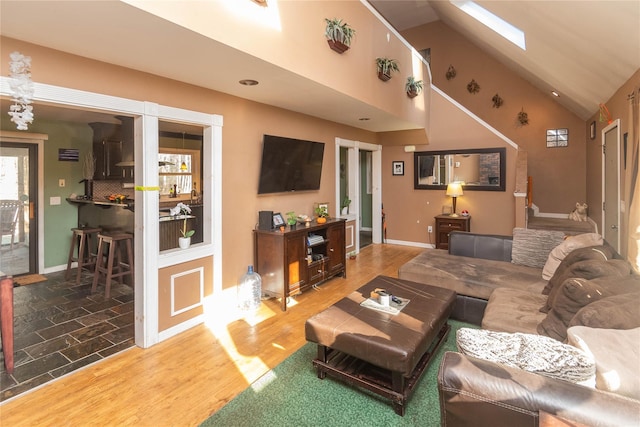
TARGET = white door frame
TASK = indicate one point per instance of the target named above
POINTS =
(147, 115)
(615, 212)
(353, 154)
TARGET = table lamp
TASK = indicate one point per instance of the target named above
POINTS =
(454, 190)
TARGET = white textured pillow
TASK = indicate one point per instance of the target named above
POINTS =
(534, 353)
(617, 356)
(570, 244)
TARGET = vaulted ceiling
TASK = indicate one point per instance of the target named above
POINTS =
(584, 50)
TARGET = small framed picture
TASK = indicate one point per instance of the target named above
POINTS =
(278, 220)
(398, 168)
(592, 130)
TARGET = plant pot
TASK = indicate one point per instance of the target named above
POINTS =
(184, 242)
(384, 77)
(412, 94)
(337, 46)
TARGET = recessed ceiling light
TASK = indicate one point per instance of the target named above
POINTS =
(513, 34)
(554, 93)
(248, 82)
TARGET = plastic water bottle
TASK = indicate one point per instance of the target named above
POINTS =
(249, 290)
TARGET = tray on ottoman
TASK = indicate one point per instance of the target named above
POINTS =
(382, 352)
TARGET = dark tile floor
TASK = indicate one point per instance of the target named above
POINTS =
(60, 327)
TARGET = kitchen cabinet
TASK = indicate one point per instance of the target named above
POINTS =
(113, 147)
(445, 224)
(296, 259)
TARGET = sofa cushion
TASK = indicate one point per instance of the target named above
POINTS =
(472, 277)
(576, 293)
(532, 247)
(590, 269)
(601, 253)
(532, 353)
(617, 356)
(570, 244)
(615, 312)
(513, 310)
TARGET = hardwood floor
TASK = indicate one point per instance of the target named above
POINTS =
(185, 379)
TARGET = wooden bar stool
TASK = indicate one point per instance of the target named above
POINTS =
(82, 238)
(114, 268)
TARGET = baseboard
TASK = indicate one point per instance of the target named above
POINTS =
(57, 268)
(414, 244)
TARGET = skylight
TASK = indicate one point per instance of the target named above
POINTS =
(497, 24)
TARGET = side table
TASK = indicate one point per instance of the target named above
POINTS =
(445, 224)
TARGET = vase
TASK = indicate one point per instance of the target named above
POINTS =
(184, 242)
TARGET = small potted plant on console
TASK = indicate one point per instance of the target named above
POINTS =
(292, 219)
(322, 213)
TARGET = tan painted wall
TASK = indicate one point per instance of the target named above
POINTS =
(618, 106)
(559, 174)
(290, 34)
(409, 212)
(245, 122)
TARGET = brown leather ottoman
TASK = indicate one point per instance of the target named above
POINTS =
(381, 352)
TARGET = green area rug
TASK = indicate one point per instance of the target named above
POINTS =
(292, 395)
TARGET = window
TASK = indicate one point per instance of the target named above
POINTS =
(173, 177)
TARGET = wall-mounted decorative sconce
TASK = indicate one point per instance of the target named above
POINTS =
(451, 73)
(497, 101)
(473, 87)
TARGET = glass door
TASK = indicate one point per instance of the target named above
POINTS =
(18, 199)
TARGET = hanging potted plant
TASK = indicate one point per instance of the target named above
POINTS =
(339, 34)
(385, 67)
(413, 87)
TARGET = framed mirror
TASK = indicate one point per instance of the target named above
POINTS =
(481, 169)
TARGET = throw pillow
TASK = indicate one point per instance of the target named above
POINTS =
(615, 312)
(570, 244)
(600, 253)
(576, 293)
(617, 356)
(588, 270)
(532, 353)
(532, 247)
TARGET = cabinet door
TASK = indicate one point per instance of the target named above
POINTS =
(296, 263)
(113, 156)
(336, 248)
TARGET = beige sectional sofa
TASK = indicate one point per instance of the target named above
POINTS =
(577, 291)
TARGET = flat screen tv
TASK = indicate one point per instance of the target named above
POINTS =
(290, 165)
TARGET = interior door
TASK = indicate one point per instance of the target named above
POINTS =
(611, 184)
(18, 197)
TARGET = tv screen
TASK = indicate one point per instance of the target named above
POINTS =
(290, 165)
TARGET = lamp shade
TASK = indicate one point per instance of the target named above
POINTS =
(454, 189)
